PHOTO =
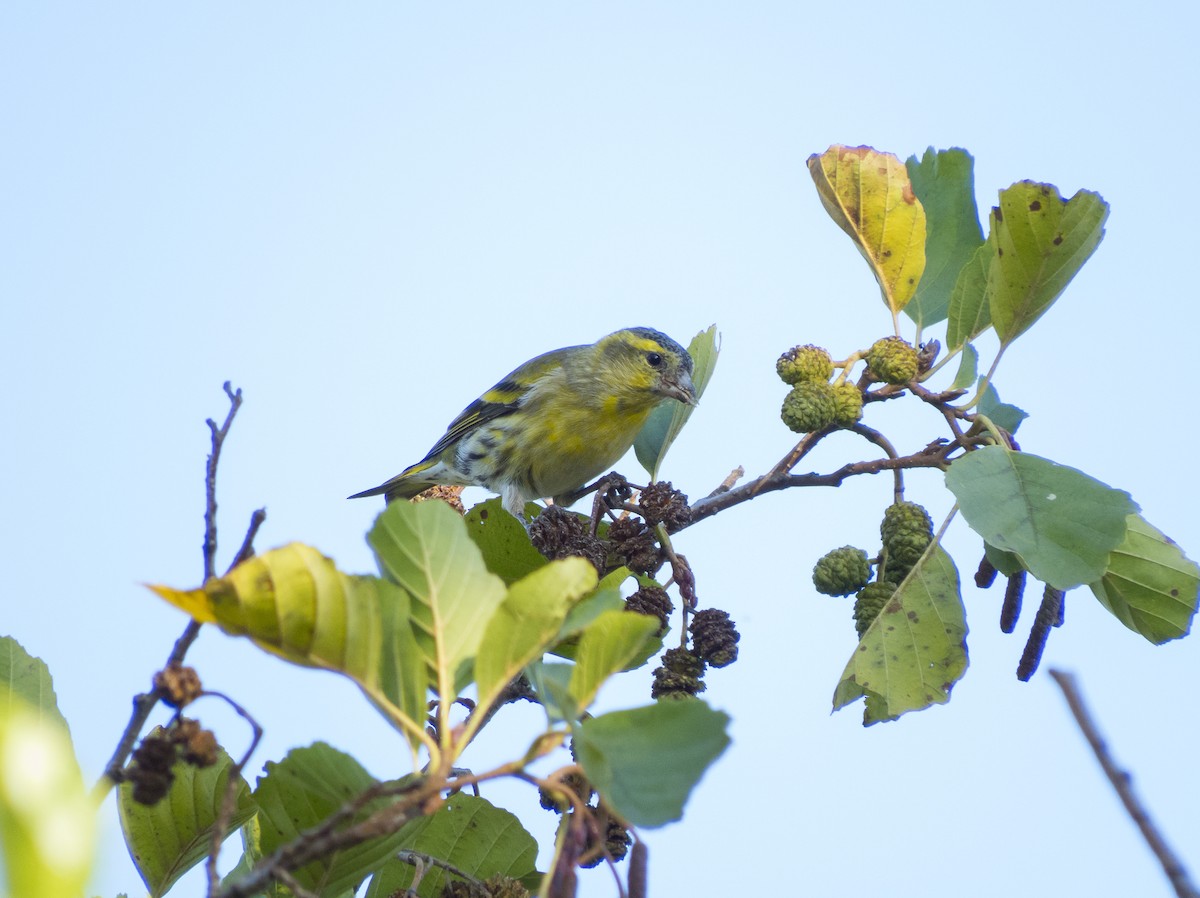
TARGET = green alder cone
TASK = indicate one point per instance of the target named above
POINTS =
(848, 404)
(893, 360)
(904, 517)
(869, 603)
(802, 364)
(841, 572)
(808, 407)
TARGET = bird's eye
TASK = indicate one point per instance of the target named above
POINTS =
(655, 359)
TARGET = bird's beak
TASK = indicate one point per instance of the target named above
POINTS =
(680, 387)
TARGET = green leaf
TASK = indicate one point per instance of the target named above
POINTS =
(424, 548)
(944, 182)
(915, 651)
(170, 837)
(551, 681)
(294, 603)
(504, 543)
(645, 761)
(666, 421)
(470, 834)
(869, 196)
(528, 621)
(47, 820)
(1006, 563)
(613, 640)
(1060, 522)
(26, 679)
(968, 368)
(969, 314)
(605, 597)
(1041, 243)
(304, 789)
(1150, 585)
(1002, 415)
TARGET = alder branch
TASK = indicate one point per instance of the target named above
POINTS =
(418, 859)
(325, 838)
(144, 703)
(210, 480)
(935, 455)
(1122, 782)
(229, 797)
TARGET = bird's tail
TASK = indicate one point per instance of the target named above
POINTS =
(404, 485)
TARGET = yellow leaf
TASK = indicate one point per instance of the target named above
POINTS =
(294, 602)
(870, 197)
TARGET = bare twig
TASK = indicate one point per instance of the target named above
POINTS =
(210, 480)
(419, 859)
(144, 703)
(229, 797)
(1122, 782)
(729, 482)
(932, 456)
(874, 436)
(286, 878)
(246, 550)
(326, 838)
(807, 443)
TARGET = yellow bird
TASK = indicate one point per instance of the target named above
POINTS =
(554, 423)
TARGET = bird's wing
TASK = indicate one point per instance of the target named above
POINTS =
(502, 399)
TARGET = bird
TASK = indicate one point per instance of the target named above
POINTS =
(554, 423)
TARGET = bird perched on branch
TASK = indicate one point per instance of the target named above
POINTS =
(555, 422)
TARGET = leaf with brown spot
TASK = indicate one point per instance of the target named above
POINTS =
(907, 662)
(871, 198)
(1041, 241)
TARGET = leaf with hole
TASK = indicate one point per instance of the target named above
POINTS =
(915, 650)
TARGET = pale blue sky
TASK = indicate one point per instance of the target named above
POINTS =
(364, 215)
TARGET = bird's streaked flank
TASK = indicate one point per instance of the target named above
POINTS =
(554, 423)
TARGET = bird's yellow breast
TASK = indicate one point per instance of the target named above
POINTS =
(581, 437)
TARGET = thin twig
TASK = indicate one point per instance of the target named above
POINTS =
(933, 456)
(210, 480)
(1122, 782)
(807, 443)
(325, 838)
(874, 436)
(415, 858)
(729, 482)
(144, 702)
(286, 878)
(229, 797)
(246, 550)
